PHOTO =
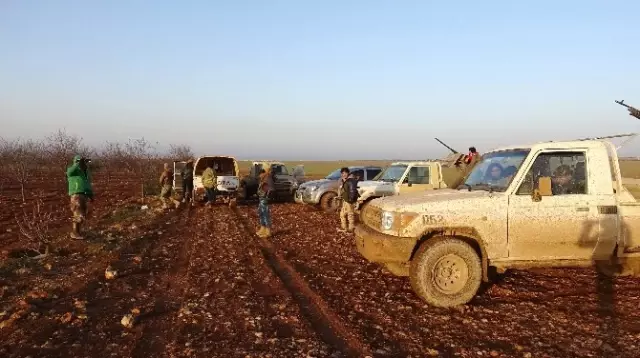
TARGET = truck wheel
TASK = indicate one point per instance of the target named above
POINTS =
(623, 267)
(446, 272)
(327, 203)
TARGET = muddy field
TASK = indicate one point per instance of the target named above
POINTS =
(198, 283)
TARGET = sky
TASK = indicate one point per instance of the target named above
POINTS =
(320, 80)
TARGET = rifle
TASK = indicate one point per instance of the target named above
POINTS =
(455, 158)
(632, 110)
(446, 146)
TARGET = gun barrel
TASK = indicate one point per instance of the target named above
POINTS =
(451, 149)
(622, 103)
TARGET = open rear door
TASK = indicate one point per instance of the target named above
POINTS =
(298, 173)
(177, 178)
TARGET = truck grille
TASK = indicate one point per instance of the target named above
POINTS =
(372, 216)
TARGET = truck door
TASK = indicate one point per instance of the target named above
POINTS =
(563, 225)
(177, 178)
(416, 178)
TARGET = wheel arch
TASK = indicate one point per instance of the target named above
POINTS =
(466, 234)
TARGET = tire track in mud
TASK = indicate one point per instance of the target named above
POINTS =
(234, 305)
(326, 323)
(155, 332)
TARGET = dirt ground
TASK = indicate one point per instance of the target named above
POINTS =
(201, 284)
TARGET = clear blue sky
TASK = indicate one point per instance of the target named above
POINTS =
(320, 79)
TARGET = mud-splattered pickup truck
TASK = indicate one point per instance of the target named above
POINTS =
(554, 204)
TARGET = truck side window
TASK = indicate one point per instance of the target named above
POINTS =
(567, 171)
(358, 174)
(419, 175)
(371, 173)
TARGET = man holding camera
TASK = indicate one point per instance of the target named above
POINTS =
(80, 190)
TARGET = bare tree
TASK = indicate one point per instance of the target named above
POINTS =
(180, 152)
(62, 146)
(113, 156)
(4, 160)
(23, 158)
(34, 226)
(144, 163)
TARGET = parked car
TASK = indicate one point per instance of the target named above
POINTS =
(322, 192)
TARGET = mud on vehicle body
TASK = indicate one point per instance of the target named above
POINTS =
(226, 169)
(401, 178)
(322, 192)
(545, 205)
(285, 183)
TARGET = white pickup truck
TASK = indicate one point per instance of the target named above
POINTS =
(401, 178)
(553, 204)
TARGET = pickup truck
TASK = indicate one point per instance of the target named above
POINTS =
(401, 178)
(285, 183)
(552, 204)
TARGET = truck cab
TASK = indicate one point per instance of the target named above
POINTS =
(401, 178)
(285, 183)
(550, 204)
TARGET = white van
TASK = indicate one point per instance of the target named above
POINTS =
(227, 172)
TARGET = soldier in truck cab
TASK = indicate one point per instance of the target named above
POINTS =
(562, 181)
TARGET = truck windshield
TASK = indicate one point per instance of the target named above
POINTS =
(334, 175)
(495, 171)
(279, 169)
(392, 173)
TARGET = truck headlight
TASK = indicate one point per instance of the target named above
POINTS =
(394, 221)
(387, 220)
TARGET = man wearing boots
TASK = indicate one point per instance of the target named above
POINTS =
(348, 193)
(80, 190)
(187, 181)
(265, 190)
(209, 181)
(166, 184)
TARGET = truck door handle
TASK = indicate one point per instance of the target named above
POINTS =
(582, 208)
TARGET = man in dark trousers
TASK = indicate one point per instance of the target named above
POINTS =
(80, 190)
(187, 181)
(348, 192)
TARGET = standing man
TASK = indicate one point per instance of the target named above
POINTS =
(348, 193)
(166, 184)
(209, 181)
(80, 190)
(187, 181)
(265, 190)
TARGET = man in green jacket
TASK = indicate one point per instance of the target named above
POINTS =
(80, 190)
(209, 181)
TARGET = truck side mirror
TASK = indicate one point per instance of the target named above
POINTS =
(542, 189)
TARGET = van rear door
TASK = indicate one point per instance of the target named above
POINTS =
(177, 178)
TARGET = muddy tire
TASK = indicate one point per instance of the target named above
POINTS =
(446, 272)
(623, 267)
(327, 202)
